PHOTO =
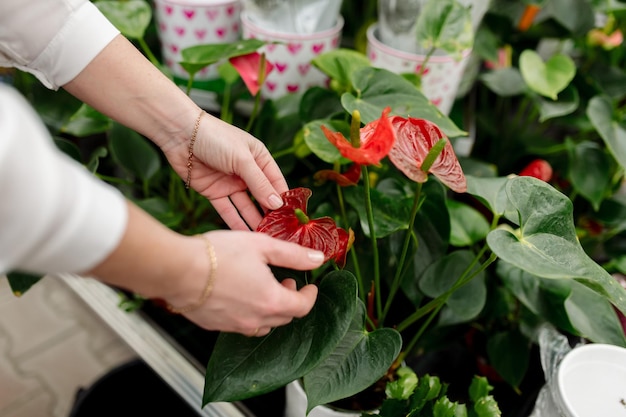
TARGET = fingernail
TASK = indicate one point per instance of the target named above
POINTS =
(316, 256)
(275, 202)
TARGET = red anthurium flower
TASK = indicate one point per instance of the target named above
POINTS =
(350, 177)
(291, 223)
(414, 139)
(539, 169)
(248, 67)
(376, 140)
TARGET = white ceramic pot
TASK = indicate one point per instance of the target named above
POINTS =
(591, 382)
(295, 405)
(185, 23)
(440, 78)
(292, 56)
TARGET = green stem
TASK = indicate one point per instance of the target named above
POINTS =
(395, 285)
(353, 254)
(283, 152)
(148, 52)
(114, 180)
(411, 345)
(441, 299)
(225, 113)
(370, 222)
(255, 110)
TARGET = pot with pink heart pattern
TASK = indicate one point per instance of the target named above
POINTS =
(291, 54)
(185, 23)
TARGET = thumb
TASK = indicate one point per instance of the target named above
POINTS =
(290, 255)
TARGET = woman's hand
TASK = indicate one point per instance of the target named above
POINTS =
(246, 297)
(227, 163)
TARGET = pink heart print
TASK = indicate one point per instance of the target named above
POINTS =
(294, 48)
(180, 31)
(292, 88)
(200, 33)
(220, 32)
(212, 14)
(318, 48)
(168, 10)
(270, 47)
(270, 85)
(280, 66)
(189, 14)
(230, 10)
(304, 68)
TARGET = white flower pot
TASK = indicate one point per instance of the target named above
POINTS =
(296, 402)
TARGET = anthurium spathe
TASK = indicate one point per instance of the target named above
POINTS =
(253, 69)
(375, 141)
(414, 140)
(291, 223)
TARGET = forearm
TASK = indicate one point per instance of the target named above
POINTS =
(121, 83)
(155, 262)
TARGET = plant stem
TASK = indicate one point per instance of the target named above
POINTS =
(405, 248)
(370, 222)
(353, 254)
(284, 152)
(225, 113)
(146, 49)
(255, 111)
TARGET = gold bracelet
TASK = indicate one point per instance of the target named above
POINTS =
(191, 142)
(209, 284)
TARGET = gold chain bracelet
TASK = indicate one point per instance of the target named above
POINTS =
(209, 284)
(191, 143)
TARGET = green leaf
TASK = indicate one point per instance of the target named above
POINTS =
(446, 25)
(504, 82)
(600, 112)
(20, 282)
(359, 360)
(87, 121)
(379, 88)
(318, 143)
(242, 367)
(590, 171)
(69, 148)
(490, 191)
(428, 388)
(443, 407)
(134, 152)
(340, 65)
(196, 57)
(390, 214)
(468, 225)
(546, 78)
(509, 353)
(319, 103)
(546, 244)
(575, 15)
(568, 102)
(130, 17)
(479, 388)
(159, 208)
(94, 160)
(467, 301)
(403, 387)
(593, 316)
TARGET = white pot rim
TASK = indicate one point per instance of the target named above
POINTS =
(287, 36)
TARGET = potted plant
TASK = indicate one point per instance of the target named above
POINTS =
(452, 257)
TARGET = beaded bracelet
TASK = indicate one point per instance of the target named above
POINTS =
(209, 284)
(191, 142)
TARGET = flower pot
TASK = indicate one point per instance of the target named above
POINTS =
(296, 402)
(185, 23)
(440, 78)
(291, 55)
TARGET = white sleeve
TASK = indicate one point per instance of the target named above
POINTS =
(55, 216)
(52, 39)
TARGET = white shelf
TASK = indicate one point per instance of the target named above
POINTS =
(178, 371)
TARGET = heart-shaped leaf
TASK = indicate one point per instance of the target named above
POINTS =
(546, 78)
(504, 82)
(546, 243)
(490, 191)
(379, 88)
(133, 152)
(356, 363)
(590, 171)
(319, 144)
(196, 57)
(567, 103)
(242, 367)
(468, 225)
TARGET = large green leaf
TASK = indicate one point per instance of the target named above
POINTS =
(358, 361)
(242, 367)
(318, 143)
(568, 102)
(340, 65)
(546, 243)
(546, 78)
(134, 152)
(130, 17)
(576, 15)
(379, 88)
(196, 57)
(504, 82)
(446, 25)
(600, 112)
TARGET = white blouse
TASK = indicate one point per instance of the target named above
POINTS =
(55, 216)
